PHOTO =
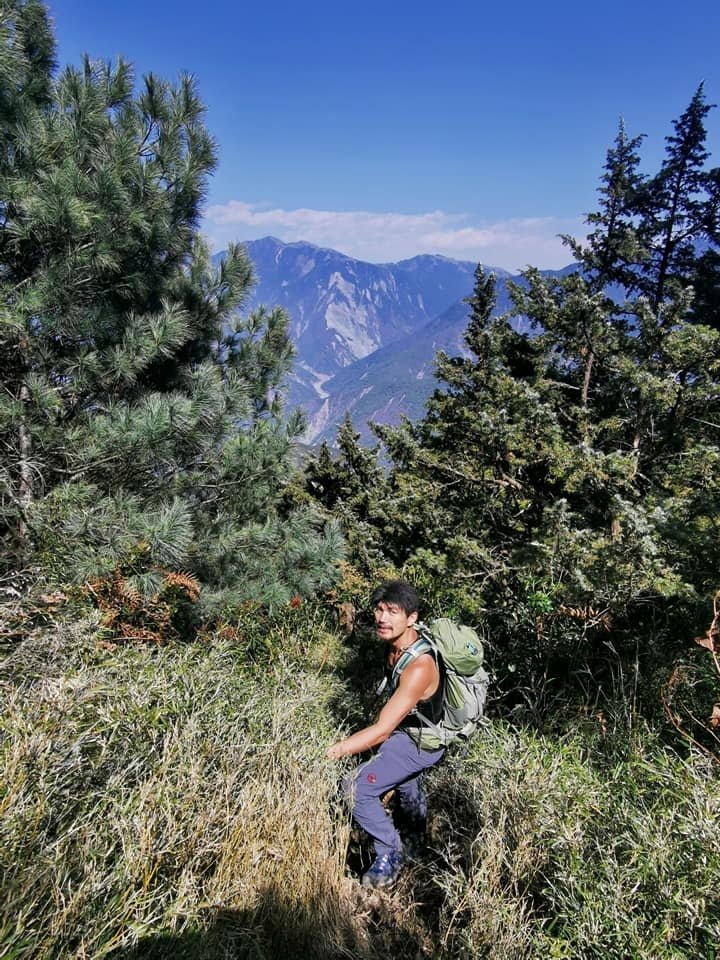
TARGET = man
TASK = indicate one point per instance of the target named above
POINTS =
(399, 762)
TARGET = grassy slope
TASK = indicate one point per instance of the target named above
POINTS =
(175, 802)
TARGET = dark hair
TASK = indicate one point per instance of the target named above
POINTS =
(399, 592)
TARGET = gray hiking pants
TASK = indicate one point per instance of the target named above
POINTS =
(399, 764)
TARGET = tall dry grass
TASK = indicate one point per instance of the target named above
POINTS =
(579, 846)
(165, 791)
(175, 802)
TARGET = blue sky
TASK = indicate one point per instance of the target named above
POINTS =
(389, 129)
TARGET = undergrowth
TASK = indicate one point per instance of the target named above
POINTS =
(169, 802)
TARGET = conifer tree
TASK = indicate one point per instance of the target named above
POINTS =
(613, 247)
(351, 486)
(656, 236)
(141, 415)
(678, 207)
(564, 482)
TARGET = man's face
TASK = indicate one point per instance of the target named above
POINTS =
(391, 621)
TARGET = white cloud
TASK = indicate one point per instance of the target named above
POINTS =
(383, 237)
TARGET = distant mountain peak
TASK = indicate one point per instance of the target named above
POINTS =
(417, 261)
(365, 334)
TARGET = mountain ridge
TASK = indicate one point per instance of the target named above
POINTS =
(365, 334)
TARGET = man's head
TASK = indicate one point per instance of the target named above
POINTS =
(399, 593)
(395, 605)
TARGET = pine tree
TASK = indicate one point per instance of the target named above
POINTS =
(678, 208)
(351, 486)
(613, 248)
(656, 236)
(141, 417)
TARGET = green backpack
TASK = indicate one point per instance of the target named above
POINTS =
(461, 652)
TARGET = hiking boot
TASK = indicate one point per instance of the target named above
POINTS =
(384, 870)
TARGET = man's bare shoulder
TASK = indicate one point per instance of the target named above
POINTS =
(423, 666)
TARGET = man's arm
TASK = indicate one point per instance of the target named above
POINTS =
(414, 681)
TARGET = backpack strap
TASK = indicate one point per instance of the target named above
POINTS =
(421, 646)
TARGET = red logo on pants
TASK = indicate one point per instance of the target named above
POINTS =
(371, 778)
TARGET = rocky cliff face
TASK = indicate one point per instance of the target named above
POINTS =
(365, 333)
